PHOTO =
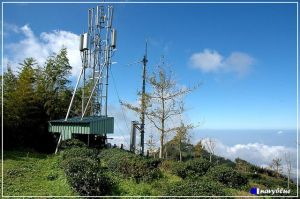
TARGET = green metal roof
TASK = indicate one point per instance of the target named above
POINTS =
(98, 125)
(87, 119)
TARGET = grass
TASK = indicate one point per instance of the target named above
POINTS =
(33, 174)
(29, 173)
(129, 187)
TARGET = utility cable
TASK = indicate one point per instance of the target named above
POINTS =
(122, 108)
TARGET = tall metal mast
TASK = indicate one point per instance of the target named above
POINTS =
(96, 47)
(144, 62)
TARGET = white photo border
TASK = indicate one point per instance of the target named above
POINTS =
(152, 2)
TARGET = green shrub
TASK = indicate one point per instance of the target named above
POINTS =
(52, 176)
(192, 168)
(79, 152)
(15, 172)
(86, 177)
(71, 143)
(254, 176)
(167, 165)
(131, 165)
(227, 176)
(195, 187)
(271, 182)
(197, 167)
(179, 169)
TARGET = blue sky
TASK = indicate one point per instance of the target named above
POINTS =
(243, 54)
(262, 98)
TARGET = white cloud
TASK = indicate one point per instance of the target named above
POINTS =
(211, 61)
(207, 61)
(41, 47)
(10, 28)
(239, 63)
(280, 132)
(256, 153)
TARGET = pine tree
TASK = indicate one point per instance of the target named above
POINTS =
(24, 93)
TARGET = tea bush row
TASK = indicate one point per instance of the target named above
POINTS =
(227, 176)
(199, 187)
(201, 167)
(192, 168)
(66, 144)
(131, 165)
(83, 170)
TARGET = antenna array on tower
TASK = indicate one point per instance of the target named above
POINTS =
(96, 49)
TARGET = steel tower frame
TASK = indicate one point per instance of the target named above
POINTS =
(97, 46)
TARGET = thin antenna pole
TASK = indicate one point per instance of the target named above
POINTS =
(144, 61)
(107, 51)
(106, 84)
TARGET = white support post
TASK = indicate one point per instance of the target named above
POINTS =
(92, 93)
(74, 92)
(58, 143)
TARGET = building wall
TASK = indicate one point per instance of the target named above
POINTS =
(98, 127)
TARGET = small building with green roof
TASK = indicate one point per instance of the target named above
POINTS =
(76, 126)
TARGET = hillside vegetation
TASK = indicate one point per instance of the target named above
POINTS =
(78, 170)
(33, 174)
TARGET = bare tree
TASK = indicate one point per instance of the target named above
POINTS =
(287, 158)
(241, 165)
(162, 104)
(276, 166)
(182, 136)
(210, 145)
(151, 145)
(166, 102)
(198, 148)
